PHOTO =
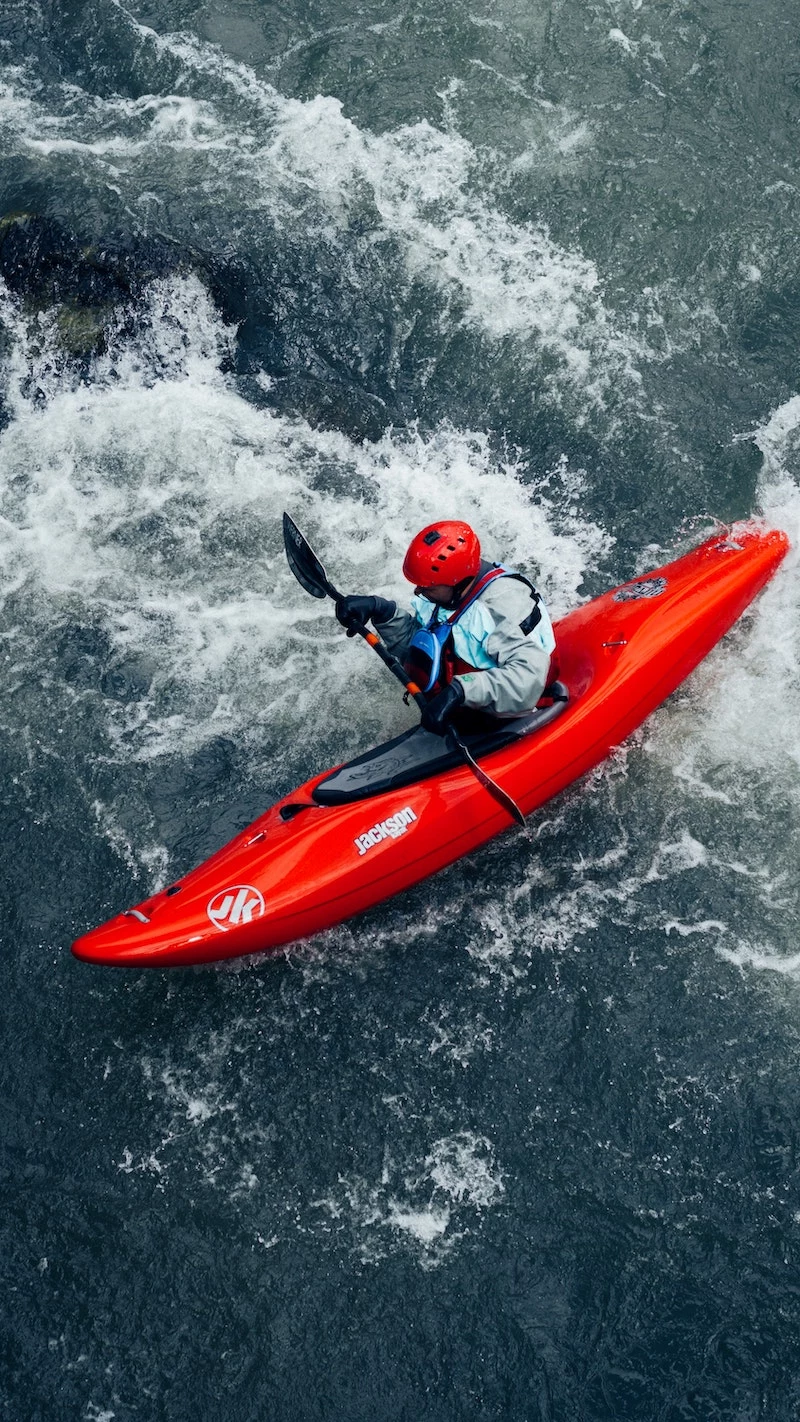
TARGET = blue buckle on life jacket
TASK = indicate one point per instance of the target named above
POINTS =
(424, 656)
(426, 648)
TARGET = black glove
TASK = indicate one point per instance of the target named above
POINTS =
(359, 608)
(438, 712)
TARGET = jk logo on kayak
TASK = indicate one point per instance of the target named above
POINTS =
(385, 829)
(239, 904)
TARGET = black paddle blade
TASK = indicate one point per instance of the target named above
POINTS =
(304, 562)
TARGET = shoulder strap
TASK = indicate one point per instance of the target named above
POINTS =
(499, 570)
(535, 615)
(491, 575)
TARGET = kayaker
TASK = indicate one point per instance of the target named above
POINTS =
(478, 636)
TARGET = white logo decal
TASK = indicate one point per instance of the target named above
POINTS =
(386, 829)
(241, 903)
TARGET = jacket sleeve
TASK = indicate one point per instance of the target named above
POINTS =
(397, 632)
(515, 684)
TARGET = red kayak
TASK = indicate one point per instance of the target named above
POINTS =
(354, 836)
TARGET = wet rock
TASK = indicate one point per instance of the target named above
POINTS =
(34, 253)
(49, 269)
(312, 340)
(313, 356)
(82, 329)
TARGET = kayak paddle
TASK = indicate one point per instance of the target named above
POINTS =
(311, 575)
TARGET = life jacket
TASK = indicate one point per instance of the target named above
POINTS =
(431, 659)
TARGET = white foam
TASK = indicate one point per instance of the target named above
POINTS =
(688, 930)
(428, 1205)
(459, 1042)
(618, 37)
(463, 1167)
(761, 958)
(732, 741)
(425, 1226)
(427, 188)
(490, 938)
(148, 862)
(114, 492)
(747, 716)
(779, 441)
(677, 856)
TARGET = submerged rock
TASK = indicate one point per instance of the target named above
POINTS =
(82, 329)
(84, 285)
(287, 358)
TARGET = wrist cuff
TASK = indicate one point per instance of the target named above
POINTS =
(384, 612)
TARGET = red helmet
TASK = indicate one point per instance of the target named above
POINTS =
(442, 554)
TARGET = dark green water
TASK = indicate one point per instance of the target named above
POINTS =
(523, 1144)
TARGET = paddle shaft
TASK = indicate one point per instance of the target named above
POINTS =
(373, 640)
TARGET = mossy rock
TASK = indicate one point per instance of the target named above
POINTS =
(81, 329)
(44, 263)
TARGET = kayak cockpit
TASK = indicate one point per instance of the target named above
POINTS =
(417, 754)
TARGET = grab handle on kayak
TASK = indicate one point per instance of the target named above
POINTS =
(288, 812)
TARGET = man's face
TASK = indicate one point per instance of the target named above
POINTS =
(439, 593)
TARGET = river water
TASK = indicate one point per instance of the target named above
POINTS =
(522, 1145)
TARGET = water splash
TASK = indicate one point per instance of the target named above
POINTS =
(423, 192)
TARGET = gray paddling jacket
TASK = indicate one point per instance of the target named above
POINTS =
(501, 668)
